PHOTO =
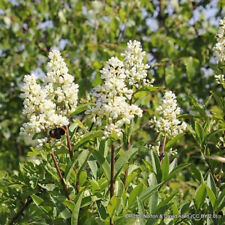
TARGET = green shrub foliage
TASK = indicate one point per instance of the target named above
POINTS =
(112, 112)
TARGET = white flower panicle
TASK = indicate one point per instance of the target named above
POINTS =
(220, 45)
(60, 84)
(48, 106)
(114, 76)
(168, 124)
(136, 69)
(112, 99)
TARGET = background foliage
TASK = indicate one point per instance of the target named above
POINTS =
(178, 37)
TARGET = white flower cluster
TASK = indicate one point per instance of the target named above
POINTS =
(47, 106)
(220, 79)
(112, 99)
(220, 45)
(168, 124)
(60, 84)
(136, 69)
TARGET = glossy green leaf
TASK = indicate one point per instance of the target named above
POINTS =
(134, 194)
(76, 210)
(192, 66)
(36, 199)
(153, 199)
(113, 206)
(87, 137)
(81, 108)
(82, 178)
(177, 170)
(123, 159)
(141, 212)
(211, 195)
(200, 195)
(156, 166)
(145, 194)
(165, 167)
(103, 163)
(211, 184)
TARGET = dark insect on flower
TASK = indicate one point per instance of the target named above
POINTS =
(57, 132)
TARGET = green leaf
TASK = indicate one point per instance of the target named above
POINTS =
(46, 208)
(156, 166)
(87, 137)
(165, 202)
(82, 159)
(123, 159)
(199, 132)
(173, 141)
(130, 178)
(176, 170)
(173, 164)
(153, 199)
(147, 88)
(200, 195)
(103, 148)
(69, 204)
(119, 188)
(141, 211)
(97, 80)
(77, 123)
(134, 194)
(81, 108)
(82, 177)
(113, 206)
(65, 214)
(197, 174)
(36, 199)
(94, 185)
(170, 75)
(94, 168)
(165, 167)
(101, 210)
(145, 194)
(211, 195)
(220, 200)
(198, 108)
(75, 213)
(192, 66)
(211, 183)
(102, 162)
(220, 101)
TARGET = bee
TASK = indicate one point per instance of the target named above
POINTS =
(57, 132)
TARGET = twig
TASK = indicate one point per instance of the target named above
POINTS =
(161, 156)
(60, 174)
(127, 147)
(92, 124)
(112, 172)
(71, 156)
(126, 171)
(69, 142)
(20, 212)
(112, 176)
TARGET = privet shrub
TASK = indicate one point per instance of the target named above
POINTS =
(125, 152)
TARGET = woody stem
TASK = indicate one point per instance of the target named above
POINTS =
(60, 174)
